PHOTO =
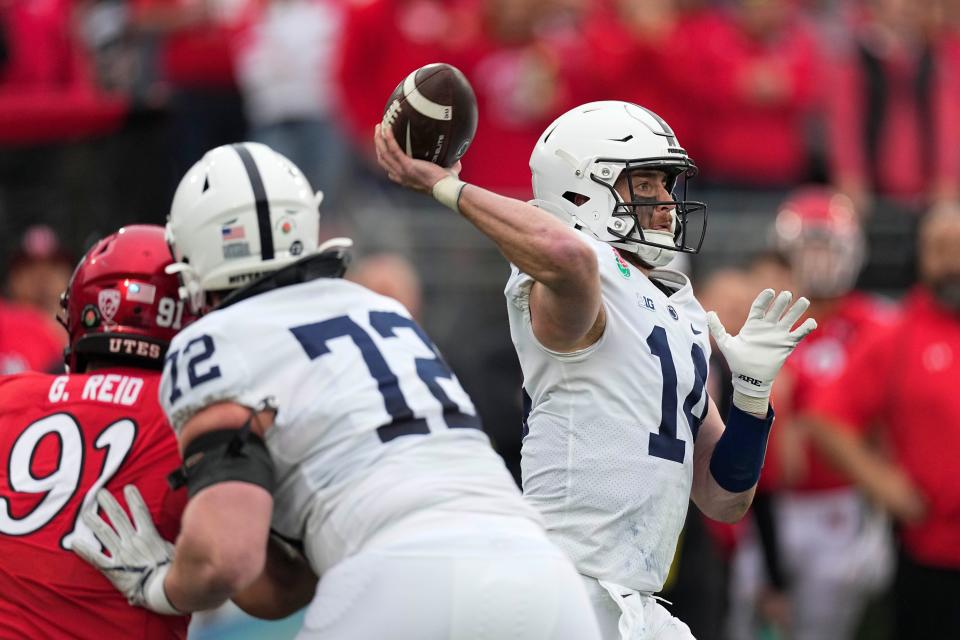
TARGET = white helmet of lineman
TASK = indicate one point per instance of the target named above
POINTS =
(586, 150)
(242, 211)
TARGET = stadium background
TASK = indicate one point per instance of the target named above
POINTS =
(104, 104)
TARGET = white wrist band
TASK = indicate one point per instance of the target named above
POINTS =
(447, 192)
(155, 596)
(751, 404)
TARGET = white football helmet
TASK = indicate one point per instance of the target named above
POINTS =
(586, 150)
(242, 211)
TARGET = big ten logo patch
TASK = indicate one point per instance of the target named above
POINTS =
(645, 302)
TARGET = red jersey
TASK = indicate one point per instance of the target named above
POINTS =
(29, 341)
(814, 367)
(903, 377)
(61, 439)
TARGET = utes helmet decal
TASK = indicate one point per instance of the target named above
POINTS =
(241, 212)
(818, 230)
(121, 305)
(579, 159)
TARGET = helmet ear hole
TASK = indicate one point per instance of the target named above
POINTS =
(578, 199)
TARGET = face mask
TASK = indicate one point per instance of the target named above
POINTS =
(946, 289)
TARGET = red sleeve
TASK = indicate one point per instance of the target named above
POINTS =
(859, 395)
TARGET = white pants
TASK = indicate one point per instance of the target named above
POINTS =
(624, 614)
(836, 554)
(456, 577)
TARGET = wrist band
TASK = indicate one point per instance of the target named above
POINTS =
(155, 595)
(738, 455)
(751, 404)
(447, 192)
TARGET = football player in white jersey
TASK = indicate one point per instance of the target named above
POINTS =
(620, 433)
(314, 411)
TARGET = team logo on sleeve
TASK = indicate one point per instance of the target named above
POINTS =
(108, 301)
(622, 265)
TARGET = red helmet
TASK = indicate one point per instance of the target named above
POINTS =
(818, 230)
(120, 305)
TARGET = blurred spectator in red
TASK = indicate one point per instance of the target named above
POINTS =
(47, 92)
(894, 108)
(39, 271)
(385, 40)
(29, 341)
(196, 62)
(516, 54)
(749, 71)
(285, 66)
(825, 552)
(631, 47)
(525, 64)
(902, 378)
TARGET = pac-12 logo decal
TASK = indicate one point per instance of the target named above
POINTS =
(673, 312)
(108, 301)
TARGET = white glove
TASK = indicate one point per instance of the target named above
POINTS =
(139, 558)
(756, 354)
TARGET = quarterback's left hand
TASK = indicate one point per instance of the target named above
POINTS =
(139, 558)
(756, 354)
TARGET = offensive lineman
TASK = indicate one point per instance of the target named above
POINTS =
(316, 400)
(66, 436)
(614, 351)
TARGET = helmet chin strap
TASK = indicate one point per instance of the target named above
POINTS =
(656, 257)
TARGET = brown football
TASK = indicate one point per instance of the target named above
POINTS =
(433, 114)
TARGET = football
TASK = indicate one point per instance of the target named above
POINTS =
(433, 114)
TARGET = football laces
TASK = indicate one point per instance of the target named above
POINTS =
(391, 115)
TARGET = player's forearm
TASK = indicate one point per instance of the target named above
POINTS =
(286, 585)
(540, 245)
(196, 584)
(880, 479)
(713, 500)
(721, 505)
(222, 545)
(727, 462)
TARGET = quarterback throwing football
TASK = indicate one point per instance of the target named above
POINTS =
(614, 351)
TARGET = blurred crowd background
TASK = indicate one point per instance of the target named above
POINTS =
(105, 103)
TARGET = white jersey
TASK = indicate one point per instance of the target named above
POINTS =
(371, 424)
(607, 455)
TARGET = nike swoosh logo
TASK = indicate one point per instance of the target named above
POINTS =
(409, 144)
(695, 332)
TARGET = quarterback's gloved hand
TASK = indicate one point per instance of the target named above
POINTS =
(756, 354)
(139, 558)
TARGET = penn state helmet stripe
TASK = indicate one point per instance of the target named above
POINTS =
(260, 200)
(671, 139)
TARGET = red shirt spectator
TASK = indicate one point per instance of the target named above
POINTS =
(904, 377)
(522, 81)
(196, 50)
(383, 41)
(64, 437)
(893, 117)
(47, 91)
(813, 370)
(29, 341)
(631, 56)
(752, 82)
